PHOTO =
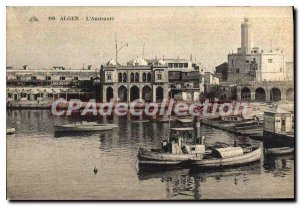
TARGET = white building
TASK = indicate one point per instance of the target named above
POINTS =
(252, 64)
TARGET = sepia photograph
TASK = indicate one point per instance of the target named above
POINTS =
(150, 103)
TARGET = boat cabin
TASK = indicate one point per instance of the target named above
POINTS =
(182, 141)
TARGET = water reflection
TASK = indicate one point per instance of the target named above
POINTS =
(189, 182)
(280, 166)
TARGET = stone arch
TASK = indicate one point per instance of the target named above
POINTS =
(159, 93)
(149, 77)
(124, 77)
(147, 93)
(260, 94)
(131, 77)
(136, 77)
(122, 93)
(245, 94)
(275, 94)
(144, 77)
(120, 78)
(134, 93)
(290, 94)
(109, 93)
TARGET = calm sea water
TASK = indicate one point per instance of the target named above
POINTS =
(45, 165)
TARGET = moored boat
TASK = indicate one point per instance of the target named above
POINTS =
(279, 150)
(10, 131)
(179, 146)
(84, 127)
(226, 157)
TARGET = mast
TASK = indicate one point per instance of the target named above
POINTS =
(169, 128)
(116, 47)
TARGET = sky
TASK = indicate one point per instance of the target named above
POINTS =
(206, 33)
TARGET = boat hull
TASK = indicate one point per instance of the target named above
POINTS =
(10, 131)
(247, 158)
(79, 128)
(150, 158)
(279, 151)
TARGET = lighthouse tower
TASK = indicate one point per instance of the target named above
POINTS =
(246, 34)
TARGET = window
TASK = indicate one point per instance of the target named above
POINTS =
(149, 77)
(48, 78)
(280, 69)
(247, 61)
(124, 77)
(237, 70)
(62, 78)
(120, 77)
(108, 76)
(136, 77)
(33, 78)
(18, 78)
(186, 64)
(270, 60)
(75, 78)
(159, 76)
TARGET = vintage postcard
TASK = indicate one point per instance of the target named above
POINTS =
(150, 103)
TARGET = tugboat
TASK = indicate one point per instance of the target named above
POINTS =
(178, 151)
(179, 146)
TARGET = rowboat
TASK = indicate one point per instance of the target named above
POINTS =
(185, 121)
(224, 157)
(141, 121)
(84, 127)
(10, 131)
(279, 150)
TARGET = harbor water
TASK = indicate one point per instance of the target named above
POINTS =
(42, 164)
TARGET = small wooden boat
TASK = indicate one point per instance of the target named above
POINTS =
(279, 150)
(84, 127)
(10, 131)
(230, 156)
(185, 121)
(167, 120)
(141, 121)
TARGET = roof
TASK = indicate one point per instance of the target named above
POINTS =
(137, 62)
(111, 62)
(182, 129)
